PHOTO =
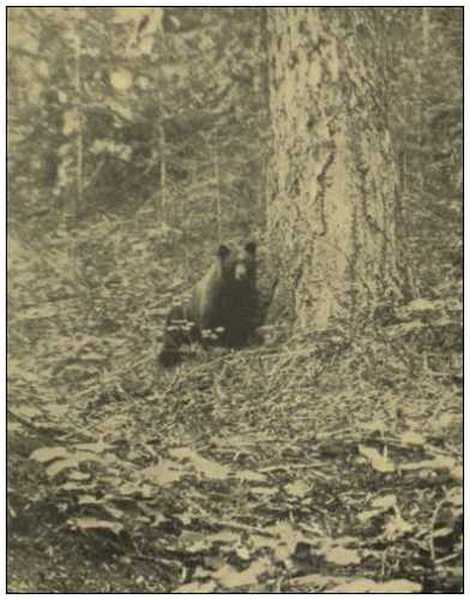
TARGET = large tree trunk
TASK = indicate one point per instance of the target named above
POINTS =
(333, 182)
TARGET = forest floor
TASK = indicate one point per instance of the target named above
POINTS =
(330, 462)
(207, 482)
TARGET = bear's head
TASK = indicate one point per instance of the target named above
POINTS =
(238, 263)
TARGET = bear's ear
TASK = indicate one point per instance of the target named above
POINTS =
(223, 251)
(251, 247)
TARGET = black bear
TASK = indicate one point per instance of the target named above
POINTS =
(224, 303)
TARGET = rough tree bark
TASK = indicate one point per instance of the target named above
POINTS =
(333, 182)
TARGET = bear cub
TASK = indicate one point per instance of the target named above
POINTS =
(223, 304)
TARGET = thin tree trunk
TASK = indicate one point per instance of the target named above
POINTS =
(218, 205)
(78, 91)
(161, 132)
(423, 121)
(162, 145)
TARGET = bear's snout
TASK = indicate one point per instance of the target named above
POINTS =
(240, 272)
